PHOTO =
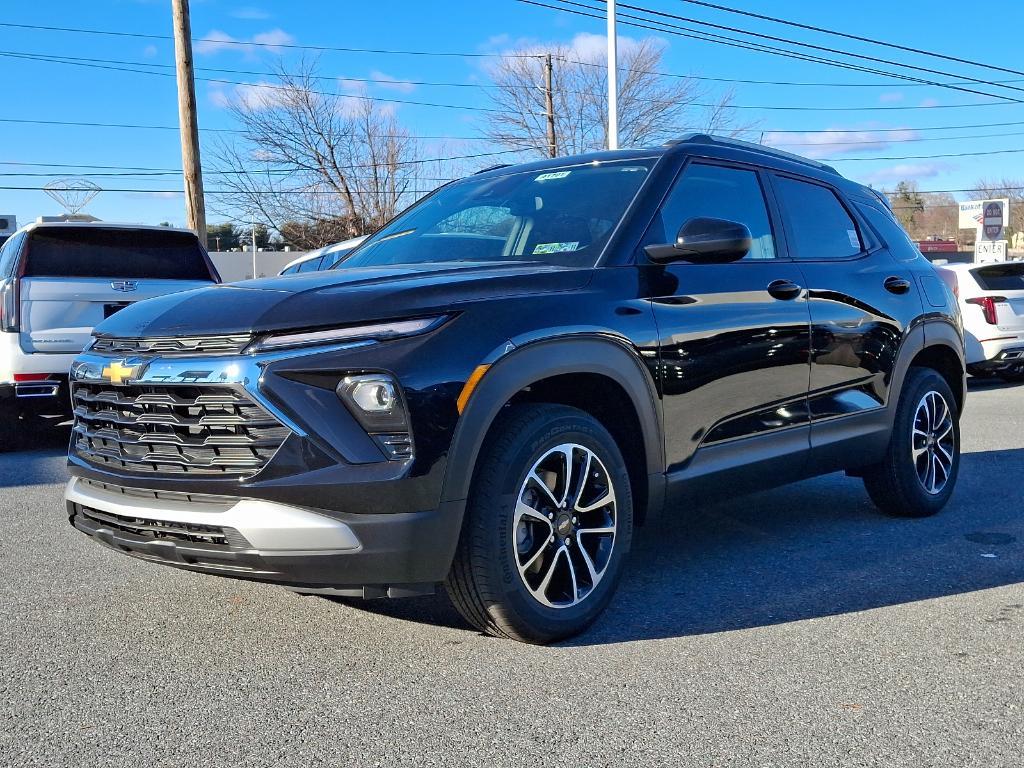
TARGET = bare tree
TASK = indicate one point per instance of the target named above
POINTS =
(652, 107)
(322, 166)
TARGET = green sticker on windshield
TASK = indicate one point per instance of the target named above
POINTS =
(542, 248)
(555, 175)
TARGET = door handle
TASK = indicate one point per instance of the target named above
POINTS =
(784, 290)
(897, 285)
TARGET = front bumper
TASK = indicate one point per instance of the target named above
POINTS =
(362, 555)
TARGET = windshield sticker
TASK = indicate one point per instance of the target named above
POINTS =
(550, 176)
(854, 240)
(542, 248)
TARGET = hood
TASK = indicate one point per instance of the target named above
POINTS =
(335, 298)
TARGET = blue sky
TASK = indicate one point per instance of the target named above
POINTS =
(46, 91)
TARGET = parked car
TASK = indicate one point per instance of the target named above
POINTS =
(322, 258)
(991, 298)
(58, 280)
(518, 370)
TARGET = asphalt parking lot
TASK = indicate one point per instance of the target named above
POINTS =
(794, 628)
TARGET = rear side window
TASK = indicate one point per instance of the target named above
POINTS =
(895, 237)
(1001, 277)
(819, 225)
(95, 252)
(9, 254)
(310, 266)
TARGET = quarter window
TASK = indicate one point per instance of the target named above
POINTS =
(819, 227)
(714, 191)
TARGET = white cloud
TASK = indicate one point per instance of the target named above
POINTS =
(819, 144)
(388, 83)
(250, 13)
(891, 97)
(930, 103)
(147, 195)
(215, 41)
(905, 171)
(149, 51)
(250, 96)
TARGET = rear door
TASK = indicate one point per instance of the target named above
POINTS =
(862, 300)
(72, 278)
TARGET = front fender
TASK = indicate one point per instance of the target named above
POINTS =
(595, 354)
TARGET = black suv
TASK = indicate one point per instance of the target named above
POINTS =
(495, 388)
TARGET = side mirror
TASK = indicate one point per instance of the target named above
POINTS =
(705, 240)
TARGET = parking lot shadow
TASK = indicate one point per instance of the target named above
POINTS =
(809, 550)
(37, 456)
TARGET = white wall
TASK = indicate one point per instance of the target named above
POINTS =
(234, 266)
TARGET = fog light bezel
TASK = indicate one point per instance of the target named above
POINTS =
(387, 421)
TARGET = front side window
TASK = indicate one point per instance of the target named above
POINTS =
(818, 224)
(717, 192)
(559, 216)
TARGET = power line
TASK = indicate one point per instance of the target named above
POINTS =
(271, 86)
(84, 124)
(483, 86)
(812, 46)
(925, 157)
(269, 45)
(747, 45)
(681, 129)
(850, 36)
(222, 191)
(288, 88)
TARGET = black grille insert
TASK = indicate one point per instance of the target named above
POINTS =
(210, 345)
(154, 530)
(173, 429)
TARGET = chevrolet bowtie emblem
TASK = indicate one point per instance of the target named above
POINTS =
(117, 372)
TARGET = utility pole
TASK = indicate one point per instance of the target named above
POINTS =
(613, 80)
(549, 98)
(195, 206)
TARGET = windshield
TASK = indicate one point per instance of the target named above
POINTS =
(562, 217)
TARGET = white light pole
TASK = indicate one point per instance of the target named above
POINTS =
(254, 248)
(613, 81)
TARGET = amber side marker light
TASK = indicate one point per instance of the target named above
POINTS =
(470, 385)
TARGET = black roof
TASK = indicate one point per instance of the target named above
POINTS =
(704, 144)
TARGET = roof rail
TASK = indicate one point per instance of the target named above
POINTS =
(705, 138)
(492, 168)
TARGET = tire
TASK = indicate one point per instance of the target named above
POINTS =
(919, 472)
(515, 569)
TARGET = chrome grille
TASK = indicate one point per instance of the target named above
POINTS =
(173, 429)
(208, 345)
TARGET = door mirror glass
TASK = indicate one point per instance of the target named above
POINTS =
(705, 240)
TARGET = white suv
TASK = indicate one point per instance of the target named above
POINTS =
(991, 298)
(60, 279)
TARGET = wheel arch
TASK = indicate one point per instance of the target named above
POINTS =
(540, 363)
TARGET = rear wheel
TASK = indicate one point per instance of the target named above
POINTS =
(919, 471)
(549, 522)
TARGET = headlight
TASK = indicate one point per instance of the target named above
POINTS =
(374, 331)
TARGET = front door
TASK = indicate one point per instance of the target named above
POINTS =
(734, 337)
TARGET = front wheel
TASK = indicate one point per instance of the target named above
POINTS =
(549, 522)
(919, 471)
